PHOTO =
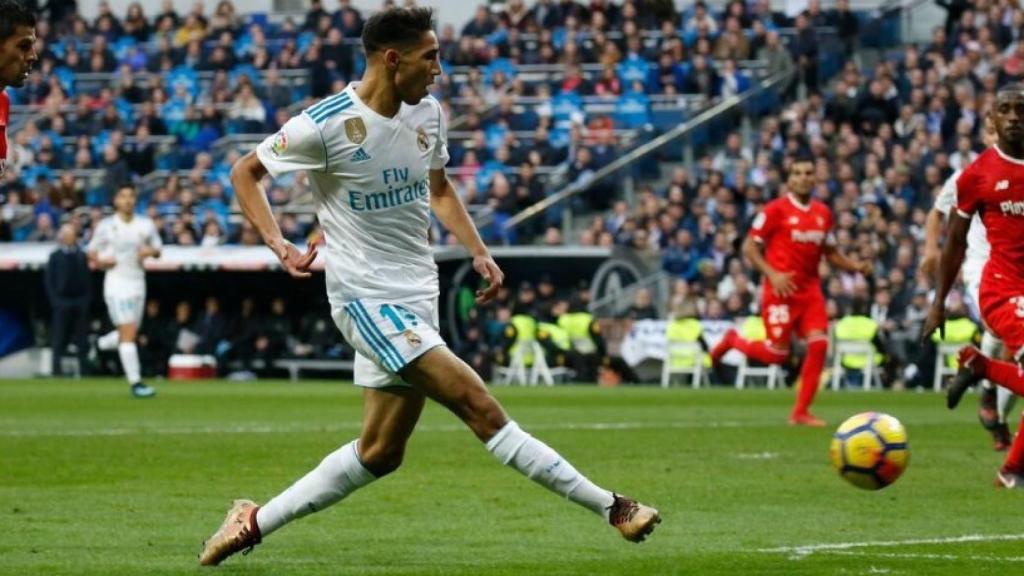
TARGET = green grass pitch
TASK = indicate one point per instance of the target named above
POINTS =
(94, 482)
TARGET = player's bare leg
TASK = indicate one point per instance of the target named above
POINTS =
(445, 378)
(389, 418)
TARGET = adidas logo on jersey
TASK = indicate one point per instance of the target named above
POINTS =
(360, 155)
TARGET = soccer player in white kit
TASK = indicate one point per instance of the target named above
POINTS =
(992, 418)
(375, 155)
(120, 245)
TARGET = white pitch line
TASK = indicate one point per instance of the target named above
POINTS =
(924, 556)
(808, 549)
(343, 426)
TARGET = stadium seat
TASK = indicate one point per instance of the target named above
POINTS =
(869, 373)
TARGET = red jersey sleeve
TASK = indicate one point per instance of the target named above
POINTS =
(967, 192)
(765, 224)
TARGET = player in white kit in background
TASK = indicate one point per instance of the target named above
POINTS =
(375, 156)
(995, 401)
(120, 245)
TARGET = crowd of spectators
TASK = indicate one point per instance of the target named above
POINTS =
(884, 140)
(129, 95)
(885, 137)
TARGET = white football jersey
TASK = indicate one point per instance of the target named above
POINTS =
(122, 240)
(371, 186)
(978, 247)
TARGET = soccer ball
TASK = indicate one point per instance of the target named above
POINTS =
(869, 450)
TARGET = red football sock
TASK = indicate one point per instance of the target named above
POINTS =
(1015, 456)
(760, 351)
(1006, 374)
(810, 374)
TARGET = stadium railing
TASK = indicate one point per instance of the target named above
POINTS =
(726, 105)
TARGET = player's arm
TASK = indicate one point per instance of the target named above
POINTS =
(153, 245)
(844, 262)
(782, 282)
(933, 225)
(949, 267)
(450, 210)
(297, 146)
(98, 244)
(252, 199)
(932, 232)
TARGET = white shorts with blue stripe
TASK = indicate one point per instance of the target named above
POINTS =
(387, 336)
(126, 308)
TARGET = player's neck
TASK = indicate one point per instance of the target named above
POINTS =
(378, 95)
(125, 217)
(802, 201)
(1014, 150)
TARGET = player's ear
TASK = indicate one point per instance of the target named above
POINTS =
(391, 57)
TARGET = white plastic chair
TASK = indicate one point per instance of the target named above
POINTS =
(690, 350)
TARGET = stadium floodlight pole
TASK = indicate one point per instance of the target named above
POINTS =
(644, 149)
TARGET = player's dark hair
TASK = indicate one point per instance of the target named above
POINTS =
(13, 14)
(800, 157)
(396, 27)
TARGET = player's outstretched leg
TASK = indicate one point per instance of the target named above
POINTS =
(448, 380)
(389, 418)
(1011, 475)
(810, 377)
(974, 366)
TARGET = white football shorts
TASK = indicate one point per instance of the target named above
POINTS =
(387, 336)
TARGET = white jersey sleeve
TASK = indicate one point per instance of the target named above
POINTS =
(298, 145)
(439, 159)
(100, 240)
(946, 200)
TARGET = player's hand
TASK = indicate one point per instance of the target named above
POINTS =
(929, 263)
(294, 262)
(782, 283)
(936, 319)
(485, 267)
(145, 252)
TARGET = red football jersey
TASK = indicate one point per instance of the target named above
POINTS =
(993, 186)
(794, 236)
(5, 113)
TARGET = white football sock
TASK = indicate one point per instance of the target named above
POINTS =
(338, 475)
(1005, 399)
(109, 341)
(129, 361)
(538, 462)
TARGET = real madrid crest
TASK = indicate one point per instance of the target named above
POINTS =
(355, 130)
(412, 338)
(422, 140)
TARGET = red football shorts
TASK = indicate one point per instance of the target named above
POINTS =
(803, 312)
(1003, 313)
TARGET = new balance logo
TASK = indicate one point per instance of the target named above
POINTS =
(360, 155)
(1002, 185)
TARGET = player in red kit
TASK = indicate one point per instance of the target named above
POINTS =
(786, 243)
(17, 56)
(993, 187)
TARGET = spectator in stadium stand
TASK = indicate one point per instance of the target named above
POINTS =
(69, 287)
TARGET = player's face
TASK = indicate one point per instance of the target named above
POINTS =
(417, 68)
(17, 56)
(124, 201)
(1008, 117)
(801, 178)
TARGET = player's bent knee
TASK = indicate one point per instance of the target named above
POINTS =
(484, 415)
(381, 458)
